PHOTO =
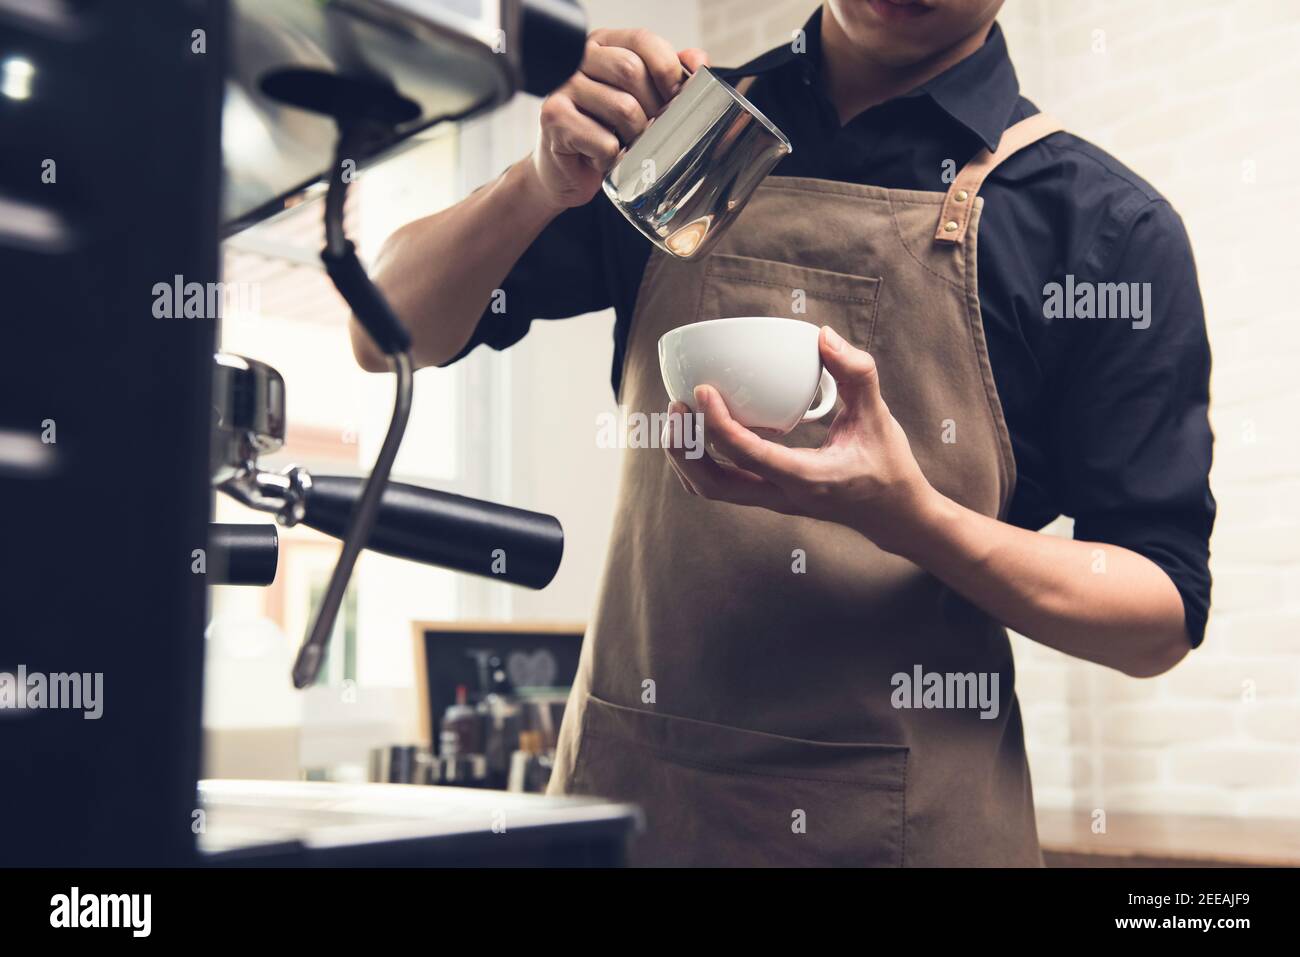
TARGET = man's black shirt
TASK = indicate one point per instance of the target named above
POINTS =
(1107, 421)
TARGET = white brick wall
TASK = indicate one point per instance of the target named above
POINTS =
(1200, 97)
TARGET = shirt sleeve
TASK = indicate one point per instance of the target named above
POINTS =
(560, 275)
(1133, 440)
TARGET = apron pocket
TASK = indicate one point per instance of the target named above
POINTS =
(718, 796)
(744, 286)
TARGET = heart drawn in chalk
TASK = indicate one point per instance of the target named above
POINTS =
(536, 670)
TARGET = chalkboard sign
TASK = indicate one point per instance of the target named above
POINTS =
(447, 654)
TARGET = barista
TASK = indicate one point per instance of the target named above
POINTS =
(738, 677)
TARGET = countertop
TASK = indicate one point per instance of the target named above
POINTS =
(316, 823)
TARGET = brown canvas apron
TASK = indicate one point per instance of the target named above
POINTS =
(738, 679)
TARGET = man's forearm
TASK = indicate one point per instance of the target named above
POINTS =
(439, 272)
(1099, 602)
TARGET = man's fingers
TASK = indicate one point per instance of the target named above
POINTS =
(622, 69)
(569, 131)
(656, 53)
(693, 58)
(721, 484)
(853, 369)
(703, 476)
(748, 450)
(614, 108)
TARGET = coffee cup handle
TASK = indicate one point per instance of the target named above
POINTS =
(829, 392)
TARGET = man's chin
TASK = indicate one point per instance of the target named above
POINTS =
(883, 43)
(895, 39)
(889, 49)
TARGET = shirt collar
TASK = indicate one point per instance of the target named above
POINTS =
(980, 92)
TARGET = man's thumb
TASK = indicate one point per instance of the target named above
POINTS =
(853, 369)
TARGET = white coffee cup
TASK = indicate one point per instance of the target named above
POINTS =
(768, 370)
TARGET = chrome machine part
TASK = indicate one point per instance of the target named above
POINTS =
(248, 405)
(441, 54)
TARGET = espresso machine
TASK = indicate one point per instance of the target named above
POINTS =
(117, 428)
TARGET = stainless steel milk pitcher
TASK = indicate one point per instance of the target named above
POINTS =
(689, 174)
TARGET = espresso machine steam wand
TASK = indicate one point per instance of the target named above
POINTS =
(422, 524)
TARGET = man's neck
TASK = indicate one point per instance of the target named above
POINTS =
(855, 81)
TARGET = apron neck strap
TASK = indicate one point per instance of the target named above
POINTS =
(743, 86)
(960, 200)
